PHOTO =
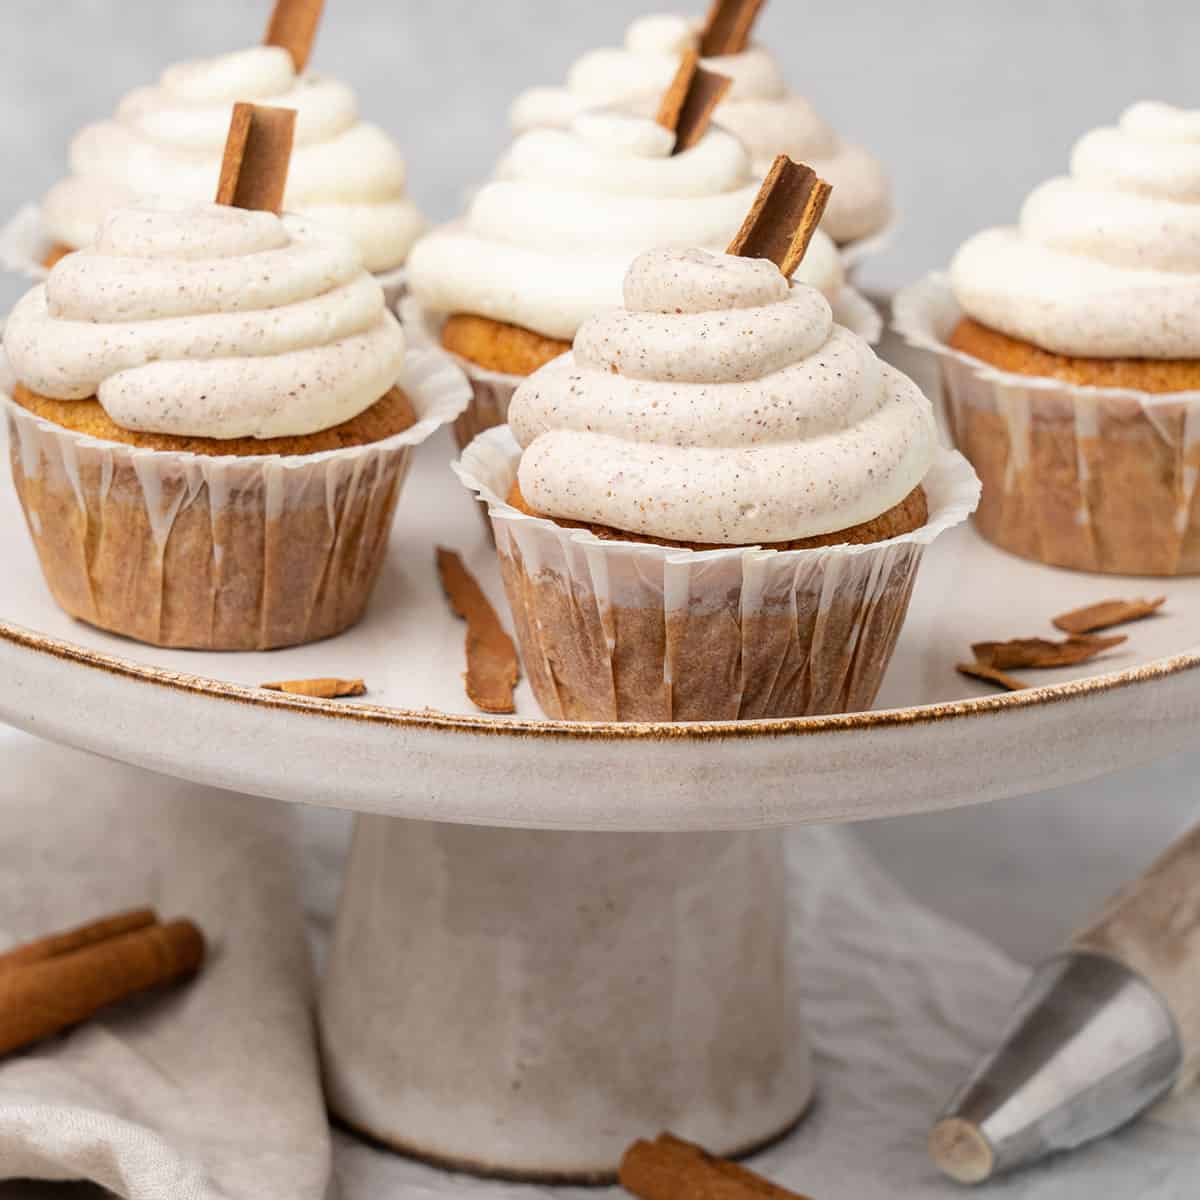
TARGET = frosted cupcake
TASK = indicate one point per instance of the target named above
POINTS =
(715, 506)
(761, 110)
(1071, 353)
(212, 417)
(165, 141)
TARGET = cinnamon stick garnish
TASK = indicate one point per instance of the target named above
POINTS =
(319, 689)
(1106, 614)
(671, 1169)
(689, 103)
(492, 665)
(258, 152)
(77, 939)
(728, 25)
(43, 998)
(784, 217)
(293, 26)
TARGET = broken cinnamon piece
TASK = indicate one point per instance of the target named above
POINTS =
(258, 152)
(1106, 614)
(784, 217)
(688, 104)
(492, 666)
(55, 944)
(1039, 652)
(670, 1169)
(977, 670)
(319, 689)
(728, 25)
(293, 26)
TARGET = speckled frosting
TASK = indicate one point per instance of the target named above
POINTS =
(1105, 262)
(166, 142)
(212, 322)
(719, 406)
(768, 117)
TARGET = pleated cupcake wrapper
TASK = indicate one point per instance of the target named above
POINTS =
(24, 245)
(629, 631)
(219, 553)
(1096, 479)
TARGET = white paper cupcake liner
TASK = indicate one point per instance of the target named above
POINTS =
(218, 553)
(630, 631)
(1095, 479)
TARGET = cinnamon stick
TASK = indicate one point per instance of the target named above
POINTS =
(258, 152)
(293, 26)
(77, 939)
(986, 674)
(44, 998)
(689, 103)
(671, 1169)
(1106, 614)
(728, 25)
(784, 217)
(319, 689)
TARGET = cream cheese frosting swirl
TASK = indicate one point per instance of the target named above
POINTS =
(167, 141)
(214, 322)
(1106, 261)
(768, 117)
(548, 241)
(720, 406)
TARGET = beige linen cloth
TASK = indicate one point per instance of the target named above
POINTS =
(212, 1092)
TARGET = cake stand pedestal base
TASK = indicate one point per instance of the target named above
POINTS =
(527, 1003)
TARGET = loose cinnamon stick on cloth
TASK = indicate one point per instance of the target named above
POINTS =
(293, 26)
(1106, 614)
(77, 939)
(258, 152)
(784, 217)
(671, 1169)
(728, 26)
(43, 998)
(689, 103)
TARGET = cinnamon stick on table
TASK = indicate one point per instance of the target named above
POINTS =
(77, 939)
(784, 217)
(258, 152)
(689, 103)
(671, 1169)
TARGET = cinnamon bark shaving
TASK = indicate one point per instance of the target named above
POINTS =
(319, 689)
(492, 666)
(728, 25)
(689, 103)
(982, 671)
(1106, 614)
(293, 26)
(1036, 653)
(258, 153)
(784, 217)
(671, 1169)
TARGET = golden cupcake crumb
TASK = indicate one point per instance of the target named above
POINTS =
(497, 346)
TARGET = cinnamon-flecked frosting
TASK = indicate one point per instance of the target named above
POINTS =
(768, 117)
(719, 406)
(1106, 261)
(212, 322)
(548, 241)
(167, 142)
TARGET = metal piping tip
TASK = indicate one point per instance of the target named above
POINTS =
(1090, 1046)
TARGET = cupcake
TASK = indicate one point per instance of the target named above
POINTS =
(761, 110)
(1070, 348)
(212, 415)
(547, 243)
(714, 507)
(165, 142)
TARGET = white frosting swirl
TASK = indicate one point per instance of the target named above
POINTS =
(547, 243)
(167, 142)
(720, 406)
(1105, 262)
(760, 109)
(215, 322)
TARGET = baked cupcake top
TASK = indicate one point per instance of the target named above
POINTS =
(548, 241)
(768, 117)
(214, 322)
(166, 142)
(719, 406)
(1106, 261)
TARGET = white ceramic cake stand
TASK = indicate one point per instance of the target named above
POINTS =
(555, 938)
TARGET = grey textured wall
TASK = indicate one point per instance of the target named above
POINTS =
(969, 103)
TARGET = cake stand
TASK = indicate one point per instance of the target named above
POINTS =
(553, 937)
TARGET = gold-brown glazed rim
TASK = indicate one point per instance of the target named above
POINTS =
(978, 706)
